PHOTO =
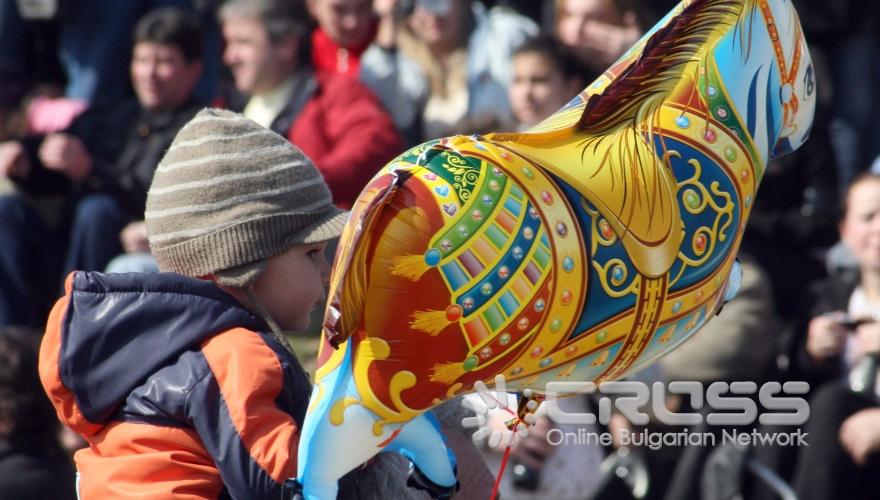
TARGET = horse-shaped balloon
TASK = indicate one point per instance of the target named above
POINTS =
(581, 250)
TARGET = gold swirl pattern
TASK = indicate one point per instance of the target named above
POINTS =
(369, 350)
(464, 175)
(601, 231)
(696, 199)
(611, 284)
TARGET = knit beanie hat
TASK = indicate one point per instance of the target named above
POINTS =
(229, 194)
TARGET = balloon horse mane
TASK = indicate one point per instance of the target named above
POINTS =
(582, 250)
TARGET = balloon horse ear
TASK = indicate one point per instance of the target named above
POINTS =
(349, 283)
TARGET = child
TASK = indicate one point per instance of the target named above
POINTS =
(183, 384)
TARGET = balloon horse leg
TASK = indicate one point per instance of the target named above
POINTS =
(433, 464)
(352, 427)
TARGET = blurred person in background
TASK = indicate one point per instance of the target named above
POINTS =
(737, 345)
(837, 353)
(333, 118)
(358, 38)
(33, 465)
(598, 31)
(844, 38)
(465, 51)
(102, 165)
(546, 76)
(95, 45)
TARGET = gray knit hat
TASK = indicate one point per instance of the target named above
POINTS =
(229, 194)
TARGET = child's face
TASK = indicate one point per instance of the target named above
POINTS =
(860, 229)
(537, 89)
(293, 285)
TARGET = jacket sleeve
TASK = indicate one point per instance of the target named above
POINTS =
(235, 410)
(361, 135)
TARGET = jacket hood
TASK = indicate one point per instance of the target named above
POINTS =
(115, 330)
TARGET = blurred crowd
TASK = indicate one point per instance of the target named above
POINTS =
(92, 94)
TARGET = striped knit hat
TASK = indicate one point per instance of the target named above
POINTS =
(230, 194)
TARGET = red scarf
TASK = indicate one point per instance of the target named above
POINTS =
(329, 57)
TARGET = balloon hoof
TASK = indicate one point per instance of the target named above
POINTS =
(292, 490)
(418, 480)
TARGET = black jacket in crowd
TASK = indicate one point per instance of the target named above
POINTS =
(126, 143)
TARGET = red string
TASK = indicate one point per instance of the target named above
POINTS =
(500, 473)
(506, 456)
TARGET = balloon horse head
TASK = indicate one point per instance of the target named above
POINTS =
(582, 250)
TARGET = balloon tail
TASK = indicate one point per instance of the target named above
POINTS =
(411, 267)
(446, 373)
(431, 322)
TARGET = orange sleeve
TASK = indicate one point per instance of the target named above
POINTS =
(49, 366)
(253, 440)
(136, 461)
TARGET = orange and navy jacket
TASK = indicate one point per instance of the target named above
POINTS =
(179, 391)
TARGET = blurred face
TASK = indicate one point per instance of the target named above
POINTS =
(583, 26)
(538, 88)
(860, 229)
(257, 64)
(293, 285)
(162, 78)
(575, 17)
(439, 23)
(348, 22)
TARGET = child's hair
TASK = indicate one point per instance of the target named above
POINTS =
(171, 26)
(560, 56)
(861, 179)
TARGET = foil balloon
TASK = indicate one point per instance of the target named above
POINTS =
(581, 250)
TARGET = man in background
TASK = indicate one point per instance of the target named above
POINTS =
(333, 118)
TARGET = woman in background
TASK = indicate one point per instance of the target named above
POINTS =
(464, 49)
